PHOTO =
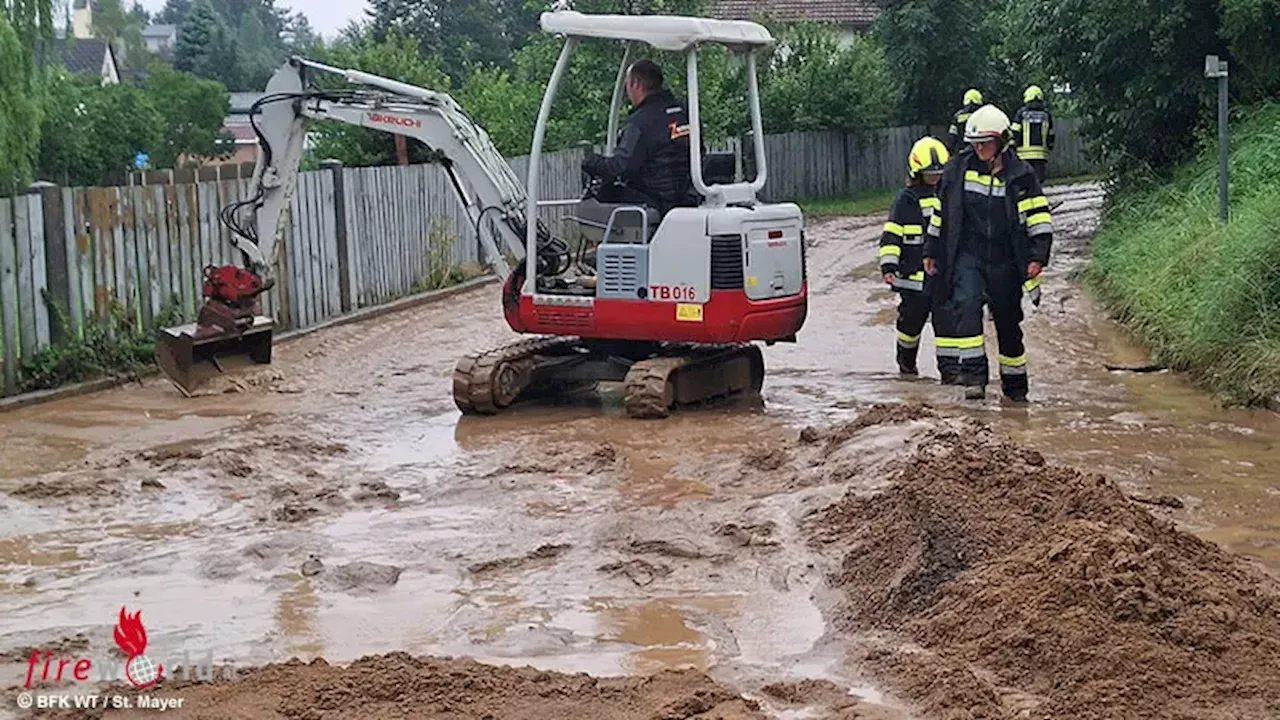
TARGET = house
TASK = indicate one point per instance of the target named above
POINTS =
(82, 18)
(84, 56)
(237, 123)
(161, 39)
(851, 17)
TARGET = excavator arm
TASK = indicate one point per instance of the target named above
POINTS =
(484, 183)
(229, 322)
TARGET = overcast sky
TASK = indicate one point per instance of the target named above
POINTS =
(327, 16)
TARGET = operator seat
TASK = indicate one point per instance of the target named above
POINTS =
(593, 213)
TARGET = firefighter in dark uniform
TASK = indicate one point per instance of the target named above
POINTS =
(1033, 132)
(650, 164)
(902, 245)
(972, 101)
(990, 241)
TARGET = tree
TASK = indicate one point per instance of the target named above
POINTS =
(1252, 30)
(192, 113)
(464, 34)
(1135, 68)
(396, 58)
(299, 37)
(205, 46)
(174, 12)
(122, 30)
(818, 85)
(91, 129)
(23, 23)
(940, 48)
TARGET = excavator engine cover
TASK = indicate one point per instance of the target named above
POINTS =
(229, 324)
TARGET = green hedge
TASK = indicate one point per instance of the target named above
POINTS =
(1205, 297)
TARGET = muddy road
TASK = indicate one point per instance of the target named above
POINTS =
(811, 553)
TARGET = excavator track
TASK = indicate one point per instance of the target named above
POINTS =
(486, 382)
(691, 374)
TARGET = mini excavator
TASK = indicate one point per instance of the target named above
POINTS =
(670, 304)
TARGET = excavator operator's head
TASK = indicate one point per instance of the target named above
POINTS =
(643, 77)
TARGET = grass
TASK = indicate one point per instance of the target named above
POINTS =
(863, 203)
(1203, 296)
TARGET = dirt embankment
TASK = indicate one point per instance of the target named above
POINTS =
(1029, 590)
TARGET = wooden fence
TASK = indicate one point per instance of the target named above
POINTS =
(357, 236)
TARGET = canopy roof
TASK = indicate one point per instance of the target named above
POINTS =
(664, 32)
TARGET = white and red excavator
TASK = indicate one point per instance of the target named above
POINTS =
(669, 304)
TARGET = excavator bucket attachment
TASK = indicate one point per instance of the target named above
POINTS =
(230, 324)
(190, 355)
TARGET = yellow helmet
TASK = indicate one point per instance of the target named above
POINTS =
(928, 156)
(972, 97)
(987, 123)
(1032, 93)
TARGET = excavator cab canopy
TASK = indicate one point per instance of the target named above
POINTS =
(662, 32)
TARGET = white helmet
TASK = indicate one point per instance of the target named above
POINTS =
(987, 123)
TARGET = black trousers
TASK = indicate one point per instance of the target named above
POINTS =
(914, 308)
(962, 355)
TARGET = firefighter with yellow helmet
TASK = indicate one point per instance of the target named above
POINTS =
(972, 101)
(1033, 131)
(989, 242)
(902, 245)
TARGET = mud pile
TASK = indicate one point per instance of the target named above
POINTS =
(1041, 591)
(397, 685)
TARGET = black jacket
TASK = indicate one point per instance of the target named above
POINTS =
(652, 153)
(1034, 133)
(1025, 208)
(958, 120)
(902, 242)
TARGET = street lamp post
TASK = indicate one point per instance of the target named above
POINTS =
(1216, 68)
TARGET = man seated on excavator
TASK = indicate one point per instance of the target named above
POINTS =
(650, 165)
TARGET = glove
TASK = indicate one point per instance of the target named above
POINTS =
(591, 164)
(1032, 288)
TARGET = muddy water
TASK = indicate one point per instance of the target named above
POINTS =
(336, 504)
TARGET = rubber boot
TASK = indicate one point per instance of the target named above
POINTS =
(949, 369)
(907, 360)
(1014, 387)
(975, 392)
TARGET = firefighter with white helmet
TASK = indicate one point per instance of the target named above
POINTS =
(902, 245)
(989, 242)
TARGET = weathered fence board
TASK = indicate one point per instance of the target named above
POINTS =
(164, 282)
(26, 279)
(9, 296)
(84, 258)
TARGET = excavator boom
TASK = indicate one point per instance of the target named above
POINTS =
(230, 321)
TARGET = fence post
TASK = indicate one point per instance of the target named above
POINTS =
(57, 275)
(340, 225)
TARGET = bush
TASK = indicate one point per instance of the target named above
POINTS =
(1204, 296)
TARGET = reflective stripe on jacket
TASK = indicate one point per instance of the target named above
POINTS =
(1033, 131)
(1025, 206)
(902, 242)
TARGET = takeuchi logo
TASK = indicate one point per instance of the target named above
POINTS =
(131, 637)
